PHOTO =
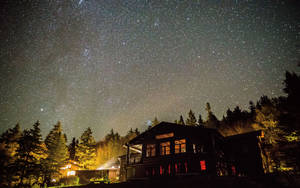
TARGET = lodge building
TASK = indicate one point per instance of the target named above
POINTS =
(169, 149)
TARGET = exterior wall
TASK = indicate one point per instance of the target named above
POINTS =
(174, 164)
(244, 156)
(206, 153)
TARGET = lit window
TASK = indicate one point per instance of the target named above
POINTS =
(150, 151)
(167, 135)
(71, 173)
(180, 146)
(165, 148)
(202, 165)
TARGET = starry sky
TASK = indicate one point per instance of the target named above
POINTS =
(119, 63)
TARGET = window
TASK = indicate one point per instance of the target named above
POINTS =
(180, 146)
(165, 148)
(167, 135)
(198, 148)
(150, 150)
(203, 165)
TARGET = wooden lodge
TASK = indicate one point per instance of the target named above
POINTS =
(169, 149)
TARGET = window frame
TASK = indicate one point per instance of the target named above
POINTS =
(165, 148)
(150, 150)
(180, 146)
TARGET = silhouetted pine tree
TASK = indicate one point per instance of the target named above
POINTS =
(200, 121)
(29, 154)
(212, 121)
(72, 148)
(155, 122)
(191, 120)
(181, 121)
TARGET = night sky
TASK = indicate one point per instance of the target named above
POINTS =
(119, 63)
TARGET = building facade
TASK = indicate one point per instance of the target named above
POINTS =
(169, 149)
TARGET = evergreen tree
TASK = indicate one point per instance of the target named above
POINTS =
(57, 152)
(181, 121)
(86, 150)
(191, 120)
(267, 116)
(155, 122)
(291, 116)
(252, 109)
(136, 131)
(72, 148)
(200, 121)
(212, 121)
(29, 154)
(8, 149)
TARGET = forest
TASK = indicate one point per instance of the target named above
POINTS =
(27, 159)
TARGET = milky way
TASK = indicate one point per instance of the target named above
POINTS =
(117, 64)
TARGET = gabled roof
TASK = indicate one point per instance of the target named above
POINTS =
(244, 135)
(167, 127)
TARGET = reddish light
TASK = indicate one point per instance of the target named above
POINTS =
(169, 169)
(160, 170)
(153, 171)
(233, 170)
(186, 167)
(176, 168)
(203, 165)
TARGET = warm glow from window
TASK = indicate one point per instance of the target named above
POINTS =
(165, 148)
(161, 169)
(202, 165)
(150, 150)
(167, 135)
(186, 167)
(71, 173)
(180, 146)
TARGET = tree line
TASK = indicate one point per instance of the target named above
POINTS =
(278, 118)
(26, 159)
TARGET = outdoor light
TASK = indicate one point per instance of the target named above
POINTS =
(71, 173)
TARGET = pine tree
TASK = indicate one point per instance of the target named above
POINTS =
(29, 154)
(38, 152)
(181, 121)
(191, 120)
(86, 150)
(57, 152)
(155, 122)
(8, 149)
(212, 121)
(72, 148)
(200, 121)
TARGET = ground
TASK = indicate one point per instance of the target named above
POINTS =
(268, 181)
